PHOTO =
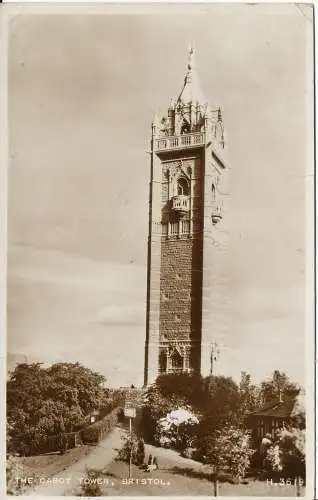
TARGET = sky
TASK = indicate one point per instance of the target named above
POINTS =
(83, 90)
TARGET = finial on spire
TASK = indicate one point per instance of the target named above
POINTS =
(191, 56)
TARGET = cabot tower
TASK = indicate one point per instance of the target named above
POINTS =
(188, 163)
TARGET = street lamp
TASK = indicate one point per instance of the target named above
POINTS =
(130, 413)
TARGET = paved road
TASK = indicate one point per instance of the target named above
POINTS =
(69, 479)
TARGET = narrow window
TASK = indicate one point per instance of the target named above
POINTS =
(183, 187)
(213, 192)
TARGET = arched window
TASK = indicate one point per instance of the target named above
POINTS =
(213, 192)
(182, 187)
(176, 361)
(163, 362)
(185, 127)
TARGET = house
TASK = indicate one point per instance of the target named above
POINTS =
(287, 409)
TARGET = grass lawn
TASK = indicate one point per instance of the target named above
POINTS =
(174, 481)
(50, 464)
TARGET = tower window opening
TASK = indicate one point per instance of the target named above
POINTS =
(182, 187)
(213, 192)
(176, 362)
(185, 128)
(163, 362)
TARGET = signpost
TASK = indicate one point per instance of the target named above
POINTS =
(215, 481)
(130, 412)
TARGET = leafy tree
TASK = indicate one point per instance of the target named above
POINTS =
(279, 383)
(221, 404)
(229, 449)
(298, 415)
(73, 383)
(249, 396)
(157, 406)
(43, 402)
(184, 386)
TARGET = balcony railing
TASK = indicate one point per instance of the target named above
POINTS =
(180, 203)
(181, 141)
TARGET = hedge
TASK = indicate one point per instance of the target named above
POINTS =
(97, 431)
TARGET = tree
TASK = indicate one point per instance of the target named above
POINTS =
(39, 399)
(229, 448)
(221, 404)
(157, 406)
(249, 396)
(73, 383)
(278, 384)
(186, 387)
(298, 415)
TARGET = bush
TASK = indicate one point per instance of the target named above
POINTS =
(177, 429)
(140, 452)
(134, 447)
(95, 432)
(287, 455)
(89, 485)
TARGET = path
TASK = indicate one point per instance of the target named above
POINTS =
(173, 456)
(66, 481)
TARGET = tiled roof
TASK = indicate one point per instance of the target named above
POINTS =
(275, 408)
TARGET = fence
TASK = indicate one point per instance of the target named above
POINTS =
(88, 435)
(55, 443)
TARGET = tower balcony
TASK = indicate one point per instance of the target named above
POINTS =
(181, 204)
(216, 215)
(183, 141)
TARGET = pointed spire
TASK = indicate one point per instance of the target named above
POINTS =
(156, 120)
(191, 92)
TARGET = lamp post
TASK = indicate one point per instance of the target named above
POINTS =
(215, 353)
(130, 413)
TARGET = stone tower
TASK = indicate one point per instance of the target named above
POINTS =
(188, 163)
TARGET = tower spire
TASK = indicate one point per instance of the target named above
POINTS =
(191, 91)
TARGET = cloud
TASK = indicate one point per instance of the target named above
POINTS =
(125, 314)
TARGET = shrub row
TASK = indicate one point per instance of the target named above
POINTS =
(95, 432)
(111, 404)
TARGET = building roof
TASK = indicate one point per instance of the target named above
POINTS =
(284, 408)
